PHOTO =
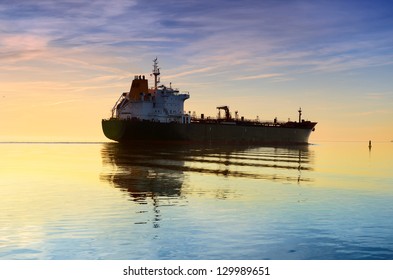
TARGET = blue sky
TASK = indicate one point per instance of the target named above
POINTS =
(334, 58)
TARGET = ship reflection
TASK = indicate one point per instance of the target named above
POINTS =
(143, 171)
(159, 175)
(159, 170)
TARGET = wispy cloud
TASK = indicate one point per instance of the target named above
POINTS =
(51, 104)
(379, 95)
(376, 112)
(261, 76)
(210, 36)
(189, 72)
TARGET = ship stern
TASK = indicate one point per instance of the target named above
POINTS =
(113, 129)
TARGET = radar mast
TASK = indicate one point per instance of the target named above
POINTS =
(156, 73)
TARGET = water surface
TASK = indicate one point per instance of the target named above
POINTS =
(107, 201)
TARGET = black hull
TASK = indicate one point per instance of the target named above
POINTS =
(138, 131)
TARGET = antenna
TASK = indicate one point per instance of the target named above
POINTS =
(156, 72)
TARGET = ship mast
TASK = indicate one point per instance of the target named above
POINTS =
(156, 73)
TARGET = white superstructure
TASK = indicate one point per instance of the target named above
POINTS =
(158, 104)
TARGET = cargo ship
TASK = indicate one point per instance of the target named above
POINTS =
(157, 114)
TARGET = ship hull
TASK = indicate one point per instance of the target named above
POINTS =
(138, 131)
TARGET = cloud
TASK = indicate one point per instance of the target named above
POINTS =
(189, 72)
(379, 95)
(314, 37)
(372, 113)
(211, 37)
(27, 42)
(261, 76)
(56, 103)
(15, 47)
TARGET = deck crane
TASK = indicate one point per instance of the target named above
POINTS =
(228, 116)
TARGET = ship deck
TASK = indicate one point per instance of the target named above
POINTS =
(303, 124)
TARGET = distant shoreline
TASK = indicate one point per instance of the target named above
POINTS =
(106, 142)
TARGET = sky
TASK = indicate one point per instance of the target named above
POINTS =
(63, 64)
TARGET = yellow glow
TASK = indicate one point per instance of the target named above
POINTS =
(36, 177)
(71, 109)
(346, 159)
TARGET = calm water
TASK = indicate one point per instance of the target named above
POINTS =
(105, 201)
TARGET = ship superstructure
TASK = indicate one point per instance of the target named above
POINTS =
(159, 104)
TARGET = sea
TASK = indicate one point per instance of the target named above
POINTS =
(106, 201)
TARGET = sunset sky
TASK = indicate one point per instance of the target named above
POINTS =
(65, 63)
